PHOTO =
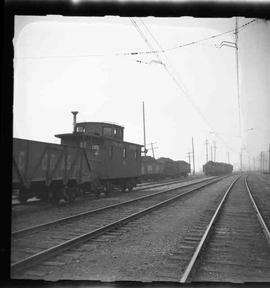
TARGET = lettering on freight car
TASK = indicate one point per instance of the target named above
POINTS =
(45, 162)
(21, 160)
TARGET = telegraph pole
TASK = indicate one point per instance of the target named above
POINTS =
(228, 154)
(189, 156)
(193, 157)
(254, 164)
(261, 162)
(153, 150)
(215, 148)
(211, 148)
(269, 159)
(241, 160)
(144, 136)
(206, 144)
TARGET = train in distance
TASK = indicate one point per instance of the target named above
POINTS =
(217, 168)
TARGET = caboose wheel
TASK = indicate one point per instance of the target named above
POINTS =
(71, 193)
(130, 187)
(23, 196)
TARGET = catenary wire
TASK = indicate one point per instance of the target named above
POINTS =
(181, 85)
(135, 53)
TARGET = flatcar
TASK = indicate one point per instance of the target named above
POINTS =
(94, 156)
(217, 168)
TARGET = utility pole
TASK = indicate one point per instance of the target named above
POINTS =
(228, 157)
(211, 148)
(241, 160)
(254, 164)
(238, 88)
(153, 150)
(215, 148)
(144, 136)
(193, 157)
(206, 144)
(261, 162)
(269, 159)
(189, 156)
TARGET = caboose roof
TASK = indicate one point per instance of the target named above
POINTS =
(104, 123)
(84, 136)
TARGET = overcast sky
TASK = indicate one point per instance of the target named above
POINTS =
(85, 63)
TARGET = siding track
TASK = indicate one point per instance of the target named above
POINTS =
(36, 244)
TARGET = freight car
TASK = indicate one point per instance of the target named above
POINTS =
(217, 168)
(150, 168)
(163, 167)
(94, 156)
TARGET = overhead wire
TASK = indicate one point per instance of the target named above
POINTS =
(181, 85)
(135, 53)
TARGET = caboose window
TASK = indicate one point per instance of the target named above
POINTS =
(114, 131)
(135, 154)
(124, 153)
(107, 131)
(80, 129)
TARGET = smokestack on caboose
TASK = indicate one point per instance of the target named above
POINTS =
(74, 120)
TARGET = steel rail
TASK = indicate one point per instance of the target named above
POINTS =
(45, 254)
(140, 187)
(205, 235)
(87, 213)
(154, 185)
(263, 179)
(260, 217)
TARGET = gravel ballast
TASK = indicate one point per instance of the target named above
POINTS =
(142, 250)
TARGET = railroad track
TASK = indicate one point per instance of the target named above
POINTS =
(36, 244)
(162, 182)
(264, 179)
(232, 244)
(139, 187)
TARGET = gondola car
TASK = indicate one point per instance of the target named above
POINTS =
(152, 168)
(217, 168)
(93, 156)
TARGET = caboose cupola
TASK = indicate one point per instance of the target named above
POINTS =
(92, 132)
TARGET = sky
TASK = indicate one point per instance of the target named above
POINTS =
(88, 64)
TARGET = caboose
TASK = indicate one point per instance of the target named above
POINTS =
(118, 163)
